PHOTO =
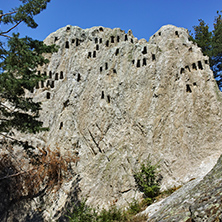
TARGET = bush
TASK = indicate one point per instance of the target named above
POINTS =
(147, 179)
(82, 213)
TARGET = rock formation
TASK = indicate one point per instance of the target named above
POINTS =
(199, 200)
(113, 100)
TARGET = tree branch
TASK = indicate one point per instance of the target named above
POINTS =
(9, 13)
(16, 174)
(2, 33)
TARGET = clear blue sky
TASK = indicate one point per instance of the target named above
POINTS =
(143, 17)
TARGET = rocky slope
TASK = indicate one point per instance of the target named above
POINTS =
(113, 100)
(198, 200)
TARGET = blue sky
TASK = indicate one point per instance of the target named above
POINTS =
(143, 17)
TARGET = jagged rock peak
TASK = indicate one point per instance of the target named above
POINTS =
(114, 100)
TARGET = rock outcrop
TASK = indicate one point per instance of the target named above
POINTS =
(199, 200)
(113, 100)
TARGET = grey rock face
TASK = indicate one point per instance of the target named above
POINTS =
(199, 200)
(114, 100)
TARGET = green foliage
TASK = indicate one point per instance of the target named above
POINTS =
(211, 44)
(113, 214)
(83, 213)
(147, 179)
(19, 60)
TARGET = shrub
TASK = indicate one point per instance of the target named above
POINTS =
(82, 213)
(147, 179)
(30, 176)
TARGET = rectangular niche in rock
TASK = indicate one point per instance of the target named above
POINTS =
(67, 45)
(48, 95)
(56, 76)
(78, 77)
(144, 61)
(61, 75)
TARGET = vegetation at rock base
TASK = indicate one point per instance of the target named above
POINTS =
(148, 180)
(83, 213)
(211, 44)
(31, 176)
(19, 60)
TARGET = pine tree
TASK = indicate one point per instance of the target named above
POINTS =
(217, 49)
(19, 59)
(211, 44)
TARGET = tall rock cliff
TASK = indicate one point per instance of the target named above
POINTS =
(113, 100)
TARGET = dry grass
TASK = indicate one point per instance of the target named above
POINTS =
(33, 175)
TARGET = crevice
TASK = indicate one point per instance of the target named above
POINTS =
(61, 125)
(200, 65)
(37, 85)
(66, 103)
(188, 89)
(125, 191)
(77, 42)
(97, 145)
(78, 77)
(112, 39)
(52, 84)
(102, 96)
(144, 50)
(188, 68)
(48, 83)
(61, 75)
(56, 39)
(117, 52)
(194, 66)
(182, 70)
(107, 129)
(56, 76)
(48, 95)
(89, 55)
(108, 98)
(131, 40)
(138, 63)
(144, 61)
(67, 45)
(42, 84)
